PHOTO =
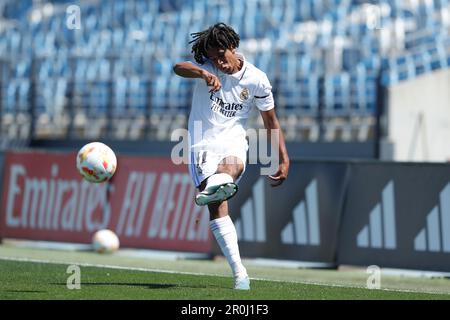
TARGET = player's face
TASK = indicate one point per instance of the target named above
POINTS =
(224, 59)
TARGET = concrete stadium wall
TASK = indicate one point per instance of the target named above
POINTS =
(417, 122)
(297, 151)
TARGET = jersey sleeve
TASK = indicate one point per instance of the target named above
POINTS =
(263, 95)
(208, 66)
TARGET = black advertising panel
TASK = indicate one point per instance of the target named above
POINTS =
(398, 216)
(298, 220)
(394, 215)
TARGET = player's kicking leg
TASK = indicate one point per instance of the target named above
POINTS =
(221, 224)
(220, 186)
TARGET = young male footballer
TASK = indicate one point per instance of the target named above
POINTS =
(221, 104)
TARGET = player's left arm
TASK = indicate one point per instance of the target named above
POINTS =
(271, 122)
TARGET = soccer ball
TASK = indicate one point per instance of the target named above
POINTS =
(105, 241)
(96, 162)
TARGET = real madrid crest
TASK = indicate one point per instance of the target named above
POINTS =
(244, 94)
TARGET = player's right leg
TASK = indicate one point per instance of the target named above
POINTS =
(221, 186)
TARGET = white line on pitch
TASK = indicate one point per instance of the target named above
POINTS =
(94, 265)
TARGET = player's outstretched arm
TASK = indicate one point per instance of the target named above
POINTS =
(190, 70)
(271, 122)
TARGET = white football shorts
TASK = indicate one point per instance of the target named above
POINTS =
(204, 163)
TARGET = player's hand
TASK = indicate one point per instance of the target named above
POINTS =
(212, 81)
(281, 175)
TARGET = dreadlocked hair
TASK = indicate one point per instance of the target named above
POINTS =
(217, 36)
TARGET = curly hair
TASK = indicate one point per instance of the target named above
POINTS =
(217, 36)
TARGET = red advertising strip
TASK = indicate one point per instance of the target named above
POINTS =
(148, 203)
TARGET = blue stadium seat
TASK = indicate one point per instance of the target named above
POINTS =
(23, 94)
(99, 98)
(363, 92)
(137, 95)
(422, 62)
(10, 101)
(16, 9)
(158, 94)
(120, 96)
(23, 69)
(337, 95)
(300, 96)
(132, 45)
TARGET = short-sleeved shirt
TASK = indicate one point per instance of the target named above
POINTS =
(218, 120)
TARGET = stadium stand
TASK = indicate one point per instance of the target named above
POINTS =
(113, 76)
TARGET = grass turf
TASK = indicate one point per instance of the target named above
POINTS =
(30, 280)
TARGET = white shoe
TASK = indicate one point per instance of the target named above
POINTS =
(242, 283)
(216, 194)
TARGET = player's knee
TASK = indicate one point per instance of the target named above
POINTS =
(231, 170)
(238, 171)
(232, 166)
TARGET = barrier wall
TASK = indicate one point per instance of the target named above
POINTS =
(148, 203)
(397, 215)
(298, 221)
(333, 212)
(297, 150)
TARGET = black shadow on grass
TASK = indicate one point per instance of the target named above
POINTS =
(147, 285)
(24, 291)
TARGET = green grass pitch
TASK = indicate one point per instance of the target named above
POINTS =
(38, 273)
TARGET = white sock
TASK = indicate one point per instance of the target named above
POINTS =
(218, 179)
(226, 236)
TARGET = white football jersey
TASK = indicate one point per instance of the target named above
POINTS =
(218, 120)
